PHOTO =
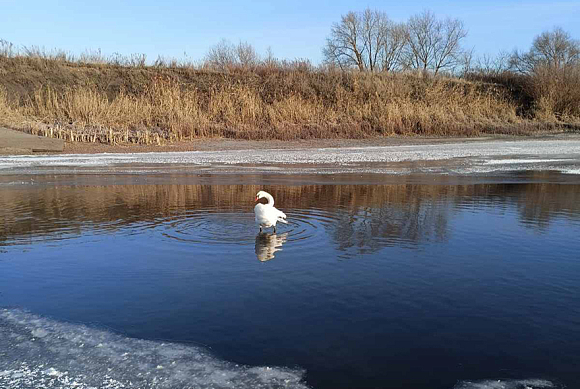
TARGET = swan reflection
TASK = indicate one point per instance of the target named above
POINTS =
(268, 244)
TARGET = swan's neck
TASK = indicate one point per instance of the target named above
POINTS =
(270, 199)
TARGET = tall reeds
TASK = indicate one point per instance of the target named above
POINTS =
(272, 104)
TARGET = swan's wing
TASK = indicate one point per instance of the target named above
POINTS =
(281, 216)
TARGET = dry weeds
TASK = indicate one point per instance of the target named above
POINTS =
(148, 105)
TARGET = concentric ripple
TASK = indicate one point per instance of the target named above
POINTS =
(205, 227)
(209, 227)
(215, 232)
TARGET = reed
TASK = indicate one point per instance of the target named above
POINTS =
(152, 105)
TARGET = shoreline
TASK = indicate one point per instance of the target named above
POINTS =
(225, 144)
(402, 157)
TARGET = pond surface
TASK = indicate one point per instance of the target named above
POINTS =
(419, 284)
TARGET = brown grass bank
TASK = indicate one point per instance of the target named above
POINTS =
(114, 104)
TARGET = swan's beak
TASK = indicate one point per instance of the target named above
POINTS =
(257, 198)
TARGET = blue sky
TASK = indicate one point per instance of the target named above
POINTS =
(293, 29)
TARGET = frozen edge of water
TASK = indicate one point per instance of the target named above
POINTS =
(37, 352)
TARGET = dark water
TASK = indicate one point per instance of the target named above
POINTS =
(402, 285)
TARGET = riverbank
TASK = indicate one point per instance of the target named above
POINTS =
(17, 142)
(147, 105)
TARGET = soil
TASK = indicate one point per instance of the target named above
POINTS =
(229, 144)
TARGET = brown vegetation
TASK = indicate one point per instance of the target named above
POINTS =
(237, 95)
(551, 70)
(546, 95)
(146, 104)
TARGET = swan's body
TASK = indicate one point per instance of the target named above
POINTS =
(266, 214)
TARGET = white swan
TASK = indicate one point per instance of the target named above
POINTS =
(266, 215)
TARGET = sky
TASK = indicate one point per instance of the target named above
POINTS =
(293, 29)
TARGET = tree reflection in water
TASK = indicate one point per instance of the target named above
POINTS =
(356, 218)
(368, 229)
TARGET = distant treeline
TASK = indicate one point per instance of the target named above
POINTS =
(378, 78)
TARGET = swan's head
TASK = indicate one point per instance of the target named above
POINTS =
(261, 194)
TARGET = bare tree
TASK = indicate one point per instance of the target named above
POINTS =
(434, 44)
(493, 66)
(449, 52)
(466, 62)
(246, 55)
(270, 60)
(221, 56)
(367, 41)
(421, 31)
(393, 44)
(345, 45)
(374, 29)
(553, 49)
(226, 55)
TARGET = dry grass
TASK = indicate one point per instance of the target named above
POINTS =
(124, 104)
(556, 93)
(546, 95)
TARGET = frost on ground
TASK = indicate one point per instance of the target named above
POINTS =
(467, 157)
(39, 353)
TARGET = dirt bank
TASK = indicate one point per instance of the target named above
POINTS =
(16, 142)
(230, 144)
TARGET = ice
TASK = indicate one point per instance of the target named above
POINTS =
(570, 171)
(506, 384)
(522, 160)
(464, 155)
(76, 356)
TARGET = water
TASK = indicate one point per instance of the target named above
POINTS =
(155, 282)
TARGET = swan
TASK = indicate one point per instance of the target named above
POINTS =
(266, 215)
